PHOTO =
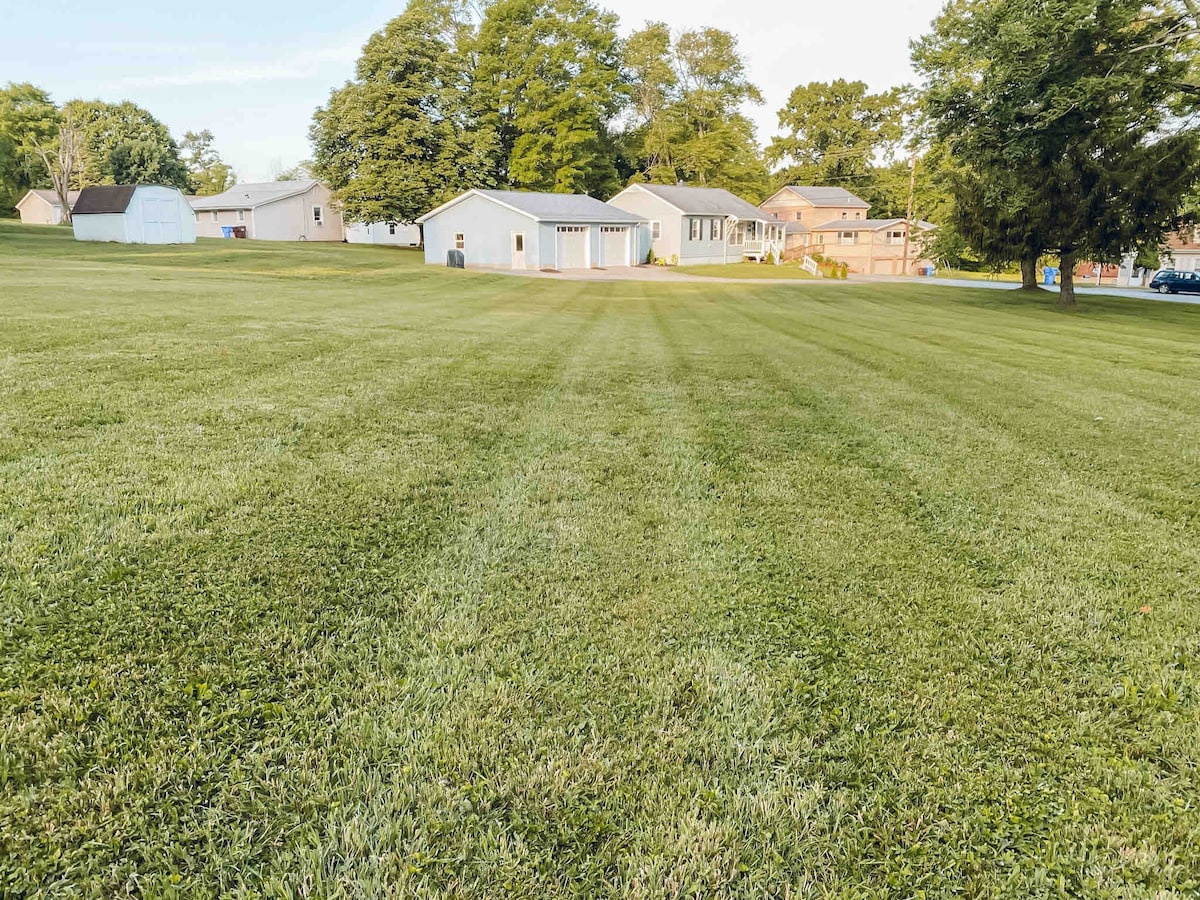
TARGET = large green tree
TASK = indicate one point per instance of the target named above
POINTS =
(837, 133)
(208, 172)
(548, 83)
(687, 125)
(125, 144)
(400, 138)
(27, 118)
(1068, 122)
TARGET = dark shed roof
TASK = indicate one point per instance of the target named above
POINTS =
(104, 198)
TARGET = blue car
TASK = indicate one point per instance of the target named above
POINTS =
(1171, 282)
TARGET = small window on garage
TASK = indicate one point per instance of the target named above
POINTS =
(391, 227)
(656, 230)
(214, 216)
(318, 217)
(241, 215)
(460, 241)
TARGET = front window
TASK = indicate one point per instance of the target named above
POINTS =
(858, 215)
(738, 235)
(798, 216)
(318, 218)
(656, 230)
(895, 237)
(215, 217)
(845, 237)
(460, 241)
(694, 229)
(241, 215)
(714, 231)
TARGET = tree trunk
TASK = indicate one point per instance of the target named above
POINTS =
(1066, 292)
(1029, 281)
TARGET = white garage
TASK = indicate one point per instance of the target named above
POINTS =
(133, 214)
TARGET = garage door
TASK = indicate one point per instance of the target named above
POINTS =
(614, 245)
(572, 246)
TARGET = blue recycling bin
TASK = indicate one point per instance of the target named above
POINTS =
(226, 231)
(1049, 273)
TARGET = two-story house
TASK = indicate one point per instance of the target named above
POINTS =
(833, 222)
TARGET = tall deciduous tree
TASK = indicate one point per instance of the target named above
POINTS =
(1068, 119)
(688, 92)
(837, 133)
(400, 139)
(125, 144)
(548, 83)
(27, 118)
(208, 172)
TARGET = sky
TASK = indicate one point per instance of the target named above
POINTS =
(253, 72)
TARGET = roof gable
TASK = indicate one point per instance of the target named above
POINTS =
(250, 196)
(702, 201)
(102, 199)
(546, 207)
(820, 196)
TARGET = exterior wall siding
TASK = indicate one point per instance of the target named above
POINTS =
(653, 209)
(487, 227)
(35, 210)
(101, 227)
(288, 219)
(380, 233)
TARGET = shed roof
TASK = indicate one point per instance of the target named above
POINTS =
(249, 196)
(704, 201)
(827, 196)
(548, 207)
(51, 197)
(103, 198)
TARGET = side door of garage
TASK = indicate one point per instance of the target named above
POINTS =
(572, 246)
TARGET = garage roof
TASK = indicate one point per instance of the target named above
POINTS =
(575, 208)
(103, 198)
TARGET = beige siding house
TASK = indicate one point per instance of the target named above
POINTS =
(42, 207)
(271, 211)
(833, 222)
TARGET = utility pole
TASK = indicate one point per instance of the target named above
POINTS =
(912, 191)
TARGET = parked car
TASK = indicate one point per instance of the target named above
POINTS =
(1172, 282)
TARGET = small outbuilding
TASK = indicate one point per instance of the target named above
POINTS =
(42, 207)
(395, 234)
(271, 211)
(526, 230)
(133, 214)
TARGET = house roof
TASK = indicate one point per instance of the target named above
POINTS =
(548, 207)
(51, 197)
(103, 198)
(867, 225)
(703, 201)
(795, 228)
(250, 196)
(827, 196)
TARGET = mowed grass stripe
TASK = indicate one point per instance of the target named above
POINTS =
(607, 590)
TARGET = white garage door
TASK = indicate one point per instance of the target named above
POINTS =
(614, 245)
(572, 246)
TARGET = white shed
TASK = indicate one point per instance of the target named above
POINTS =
(133, 214)
(396, 234)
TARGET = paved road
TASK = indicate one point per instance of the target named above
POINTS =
(1081, 290)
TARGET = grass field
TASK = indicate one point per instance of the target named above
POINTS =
(326, 574)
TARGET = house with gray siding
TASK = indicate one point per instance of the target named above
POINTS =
(526, 230)
(699, 225)
(272, 211)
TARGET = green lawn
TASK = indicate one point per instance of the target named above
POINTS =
(325, 574)
(746, 270)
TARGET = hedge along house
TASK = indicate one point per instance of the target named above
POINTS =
(133, 214)
(42, 207)
(272, 211)
(525, 230)
(699, 225)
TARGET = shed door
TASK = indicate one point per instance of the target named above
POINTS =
(572, 246)
(614, 245)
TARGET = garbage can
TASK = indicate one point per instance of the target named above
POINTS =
(239, 231)
(226, 231)
(1048, 275)
(927, 271)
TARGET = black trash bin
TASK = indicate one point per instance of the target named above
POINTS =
(239, 231)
